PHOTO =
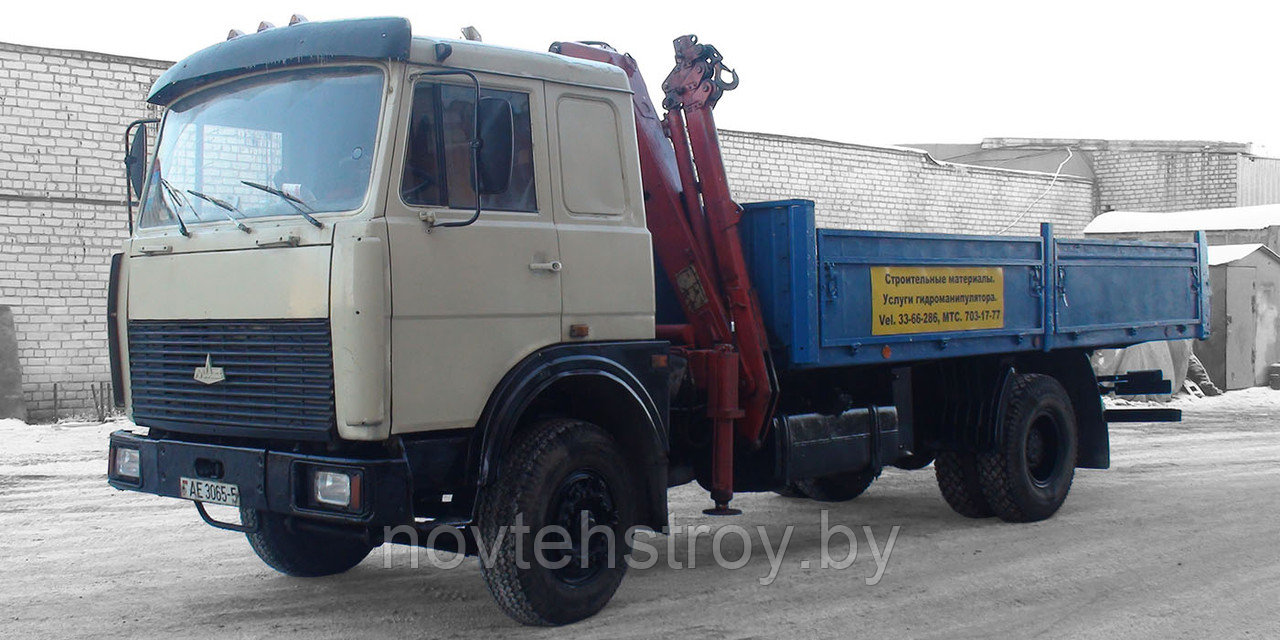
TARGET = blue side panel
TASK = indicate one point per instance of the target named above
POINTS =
(815, 289)
(1125, 292)
(847, 258)
(1202, 285)
(779, 242)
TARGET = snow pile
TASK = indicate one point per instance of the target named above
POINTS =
(1259, 399)
(1228, 253)
(1257, 217)
(1254, 400)
(22, 440)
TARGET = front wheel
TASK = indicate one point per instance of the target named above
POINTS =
(302, 554)
(566, 485)
(1028, 475)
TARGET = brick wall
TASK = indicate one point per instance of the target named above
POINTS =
(1130, 180)
(862, 187)
(62, 118)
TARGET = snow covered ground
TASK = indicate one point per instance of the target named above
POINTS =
(1180, 538)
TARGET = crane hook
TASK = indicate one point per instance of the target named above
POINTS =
(719, 81)
(699, 77)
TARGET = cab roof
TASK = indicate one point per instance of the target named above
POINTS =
(370, 39)
(478, 56)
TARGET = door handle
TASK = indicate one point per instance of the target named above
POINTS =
(554, 266)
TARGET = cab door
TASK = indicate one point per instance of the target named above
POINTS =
(468, 302)
(599, 212)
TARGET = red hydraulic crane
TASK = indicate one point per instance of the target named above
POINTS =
(693, 221)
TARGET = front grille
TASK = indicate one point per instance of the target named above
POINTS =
(279, 377)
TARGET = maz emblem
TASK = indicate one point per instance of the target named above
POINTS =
(209, 374)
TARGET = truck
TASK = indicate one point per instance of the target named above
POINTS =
(382, 283)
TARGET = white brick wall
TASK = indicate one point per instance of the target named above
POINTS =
(62, 118)
(1166, 181)
(861, 187)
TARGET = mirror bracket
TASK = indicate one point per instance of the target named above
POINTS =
(431, 221)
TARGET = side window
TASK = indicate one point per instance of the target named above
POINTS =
(590, 165)
(437, 164)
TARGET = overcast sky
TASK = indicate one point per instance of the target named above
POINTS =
(877, 73)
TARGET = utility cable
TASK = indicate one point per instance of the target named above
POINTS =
(1056, 174)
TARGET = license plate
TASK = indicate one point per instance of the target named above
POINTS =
(211, 492)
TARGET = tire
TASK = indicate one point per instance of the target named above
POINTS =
(790, 490)
(1028, 476)
(840, 487)
(553, 473)
(957, 474)
(914, 461)
(302, 554)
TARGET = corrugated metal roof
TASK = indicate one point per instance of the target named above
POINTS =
(1258, 181)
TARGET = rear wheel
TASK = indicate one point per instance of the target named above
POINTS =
(298, 553)
(560, 473)
(914, 461)
(1029, 474)
(840, 487)
(957, 474)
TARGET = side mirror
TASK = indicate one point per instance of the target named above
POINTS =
(497, 136)
(135, 160)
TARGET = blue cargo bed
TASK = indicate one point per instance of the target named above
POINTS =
(835, 297)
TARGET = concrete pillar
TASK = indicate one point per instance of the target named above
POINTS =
(11, 403)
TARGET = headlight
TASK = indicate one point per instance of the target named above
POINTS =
(127, 463)
(335, 488)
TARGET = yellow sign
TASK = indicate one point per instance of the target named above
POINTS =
(929, 299)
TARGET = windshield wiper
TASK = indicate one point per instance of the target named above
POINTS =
(226, 209)
(297, 203)
(177, 198)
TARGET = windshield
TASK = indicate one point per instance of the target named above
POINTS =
(305, 135)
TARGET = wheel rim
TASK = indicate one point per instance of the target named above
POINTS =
(582, 494)
(1043, 450)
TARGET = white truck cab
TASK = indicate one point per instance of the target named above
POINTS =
(377, 153)
(319, 320)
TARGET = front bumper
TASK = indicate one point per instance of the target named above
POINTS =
(272, 481)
